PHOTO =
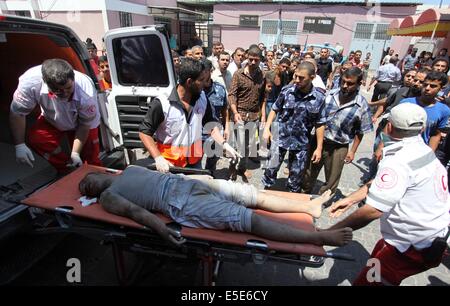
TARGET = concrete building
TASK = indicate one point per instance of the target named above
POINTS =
(92, 18)
(354, 24)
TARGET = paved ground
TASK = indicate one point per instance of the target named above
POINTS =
(97, 264)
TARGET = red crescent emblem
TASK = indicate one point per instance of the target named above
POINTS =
(382, 178)
(444, 185)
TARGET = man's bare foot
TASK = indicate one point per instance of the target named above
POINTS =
(337, 237)
(315, 205)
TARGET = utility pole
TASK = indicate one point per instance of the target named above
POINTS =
(279, 27)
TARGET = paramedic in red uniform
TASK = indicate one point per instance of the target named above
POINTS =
(172, 130)
(68, 103)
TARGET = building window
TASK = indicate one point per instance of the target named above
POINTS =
(126, 19)
(380, 32)
(323, 25)
(288, 27)
(23, 13)
(248, 20)
(363, 30)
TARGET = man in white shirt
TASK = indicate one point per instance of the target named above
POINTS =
(410, 195)
(68, 102)
(238, 58)
(388, 57)
(217, 49)
(221, 74)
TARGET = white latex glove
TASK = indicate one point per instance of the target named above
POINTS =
(24, 155)
(76, 160)
(234, 154)
(162, 164)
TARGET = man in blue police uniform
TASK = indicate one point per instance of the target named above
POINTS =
(300, 107)
(217, 98)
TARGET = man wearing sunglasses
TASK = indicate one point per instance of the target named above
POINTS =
(68, 103)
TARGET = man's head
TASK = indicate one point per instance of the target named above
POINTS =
(59, 77)
(224, 60)
(443, 52)
(324, 53)
(368, 55)
(188, 53)
(350, 81)
(310, 49)
(197, 52)
(296, 53)
(406, 120)
(417, 83)
(440, 65)
(192, 75)
(254, 57)
(284, 64)
(238, 55)
(217, 48)
(393, 60)
(427, 55)
(270, 56)
(207, 75)
(351, 55)
(103, 67)
(176, 61)
(303, 76)
(391, 52)
(311, 61)
(414, 51)
(433, 83)
(358, 55)
(94, 183)
(261, 46)
(308, 55)
(408, 80)
(345, 66)
(295, 63)
(92, 50)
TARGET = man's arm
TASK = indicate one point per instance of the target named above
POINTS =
(434, 140)
(359, 218)
(232, 98)
(17, 122)
(148, 127)
(81, 135)
(351, 153)
(342, 205)
(118, 205)
(317, 154)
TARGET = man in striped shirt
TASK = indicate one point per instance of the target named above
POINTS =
(348, 118)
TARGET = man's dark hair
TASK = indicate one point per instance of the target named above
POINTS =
(103, 59)
(254, 50)
(190, 69)
(57, 72)
(207, 64)
(307, 66)
(424, 70)
(358, 51)
(441, 59)
(354, 72)
(175, 54)
(393, 60)
(217, 43)
(223, 53)
(285, 60)
(437, 76)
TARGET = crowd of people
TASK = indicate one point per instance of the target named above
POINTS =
(265, 105)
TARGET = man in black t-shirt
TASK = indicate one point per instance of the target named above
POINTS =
(324, 65)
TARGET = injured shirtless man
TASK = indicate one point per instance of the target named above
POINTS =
(203, 203)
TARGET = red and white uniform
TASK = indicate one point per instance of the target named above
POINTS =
(58, 116)
(411, 190)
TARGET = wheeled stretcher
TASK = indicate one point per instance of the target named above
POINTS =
(211, 247)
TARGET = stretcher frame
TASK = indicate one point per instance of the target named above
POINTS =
(123, 234)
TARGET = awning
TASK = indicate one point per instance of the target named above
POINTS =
(424, 24)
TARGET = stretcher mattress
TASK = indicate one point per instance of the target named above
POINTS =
(64, 194)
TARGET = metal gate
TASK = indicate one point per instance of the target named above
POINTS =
(371, 37)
